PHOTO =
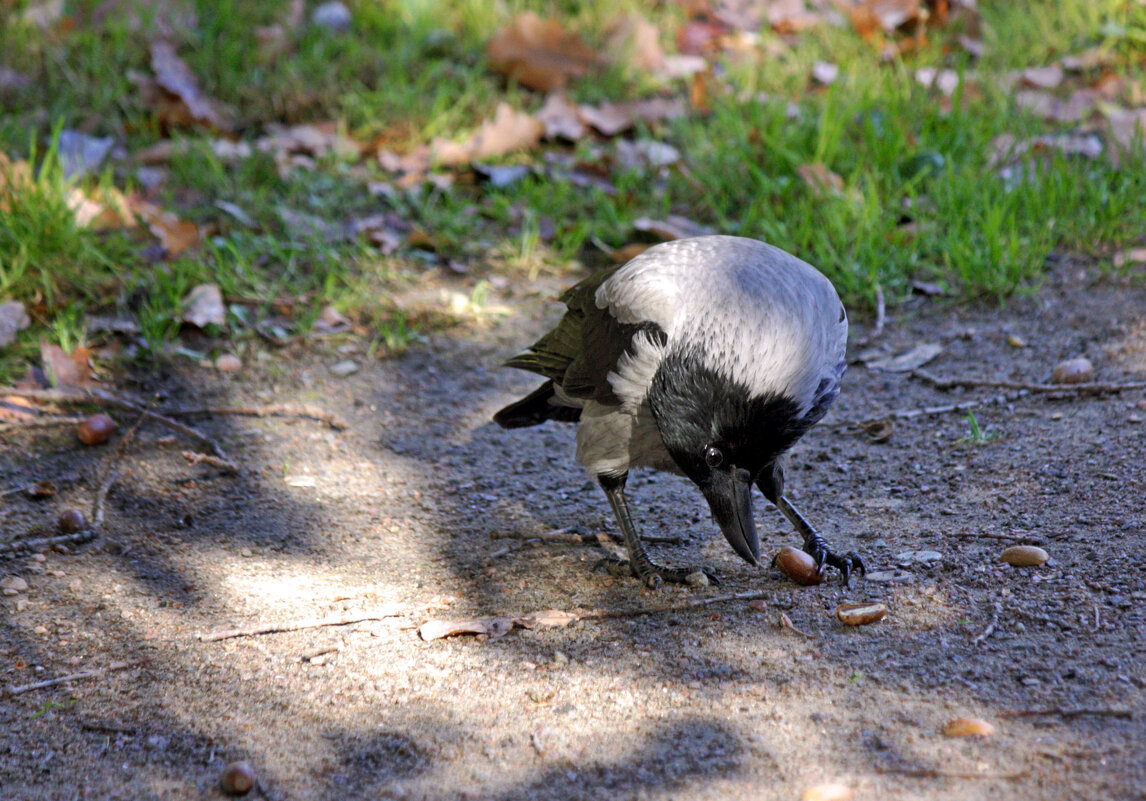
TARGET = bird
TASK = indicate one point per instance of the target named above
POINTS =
(707, 357)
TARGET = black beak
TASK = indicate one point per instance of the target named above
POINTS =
(729, 495)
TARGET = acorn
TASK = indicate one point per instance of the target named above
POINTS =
(96, 430)
(968, 727)
(70, 521)
(1024, 556)
(238, 778)
(798, 566)
(860, 614)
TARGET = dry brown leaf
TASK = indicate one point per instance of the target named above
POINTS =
(822, 181)
(555, 618)
(873, 17)
(1132, 256)
(66, 370)
(174, 234)
(13, 319)
(905, 362)
(561, 119)
(674, 226)
(610, 119)
(203, 306)
(508, 131)
(314, 139)
(493, 626)
(792, 16)
(174, 76)
(539, 53)
(1049, 77)
(636, 41)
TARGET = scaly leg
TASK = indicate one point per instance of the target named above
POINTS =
(649, 572)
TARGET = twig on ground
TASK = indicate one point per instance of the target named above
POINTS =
(987, 632)
(276, 410)
(880, 318)
(100, 398)
(321, 650)
(879, 422)
(938, 773)
(394, 610)
(206, 458)
(1060, 712)
(786, 622)
(42, 543)
(1090, 388)
(41, 422)
(656, 610)
(89, 674)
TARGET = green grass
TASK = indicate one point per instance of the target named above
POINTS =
(921, 197)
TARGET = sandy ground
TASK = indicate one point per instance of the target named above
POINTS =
(423, 510)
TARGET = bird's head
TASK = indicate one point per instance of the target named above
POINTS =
(722, 437)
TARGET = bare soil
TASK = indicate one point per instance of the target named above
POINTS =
(422, 509)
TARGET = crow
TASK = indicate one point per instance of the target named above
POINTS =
(707, 357)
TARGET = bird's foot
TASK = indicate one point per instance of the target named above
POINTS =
(653, 575)
(825, 557)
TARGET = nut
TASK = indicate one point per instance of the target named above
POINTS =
(1024, 556)
(968, 727)
(860, 614)
(238, 778)
(96, 430)
(70, 521)
(829, 791)
(798, 566)
(1072, 371)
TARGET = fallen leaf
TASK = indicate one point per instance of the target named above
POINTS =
(80, 154)
(314, 139)
(331, 321)
(560, 118)
(203, 306)
(1127, 126)
(1121, 259)
(610, 119)
(945, 80)
(494, 627)
(1049, 77)
(508, 131)
(174, 234)
(636, 41)
(66, 370)
(13, 319)
(824, 72)
(646, 154)
(885, 16)
(174, 76)
(792, 16)
(547, 618)
(904, 362)
(540, 54)
(822, 181)
(674, 226)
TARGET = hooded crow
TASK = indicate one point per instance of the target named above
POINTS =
(707, 357)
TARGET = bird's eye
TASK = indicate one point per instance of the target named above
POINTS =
(713, 456)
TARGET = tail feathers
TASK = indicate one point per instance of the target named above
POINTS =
(535, 408)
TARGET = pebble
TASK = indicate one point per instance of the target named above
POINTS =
(920, 557)
(228, 363)
(1024, 556)
(333, 16)
(11, 585)
(829, 791)
(345, 368)
(1073, 371)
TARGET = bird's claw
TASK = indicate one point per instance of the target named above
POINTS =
(654, 575)
(846, 564)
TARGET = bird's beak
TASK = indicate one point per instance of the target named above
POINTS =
(729, 495)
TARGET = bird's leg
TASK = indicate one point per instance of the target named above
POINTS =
(771, 483)
(815, 546)
(649, 572)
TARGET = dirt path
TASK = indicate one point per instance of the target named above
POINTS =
(419, 511)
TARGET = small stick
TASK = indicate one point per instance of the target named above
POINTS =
(20, 546)
(786, 622)
(277, 410)
(751, 595)
(90, 674)
(274, 628)
(100, 398)
(880, 317)
(1068, 713)
(909, 414)
(41, 422)
(935, 773)
(1089, 388)
(990, 626)
(206, 458)
(573, 538)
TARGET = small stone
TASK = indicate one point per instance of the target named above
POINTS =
(228, 363)
(246, 552)
(920, 557)
(333, 16)
(40, 490)
(1024, 556)
(40, 630)
(757, 605)
(345, 368)
(75, 585)
(1073, 371)
(697, 578)
(11, 585)
(829, 791)
(21, 605)
(238, 778)
(560, 658)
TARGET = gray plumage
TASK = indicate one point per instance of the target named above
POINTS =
(715, 344)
